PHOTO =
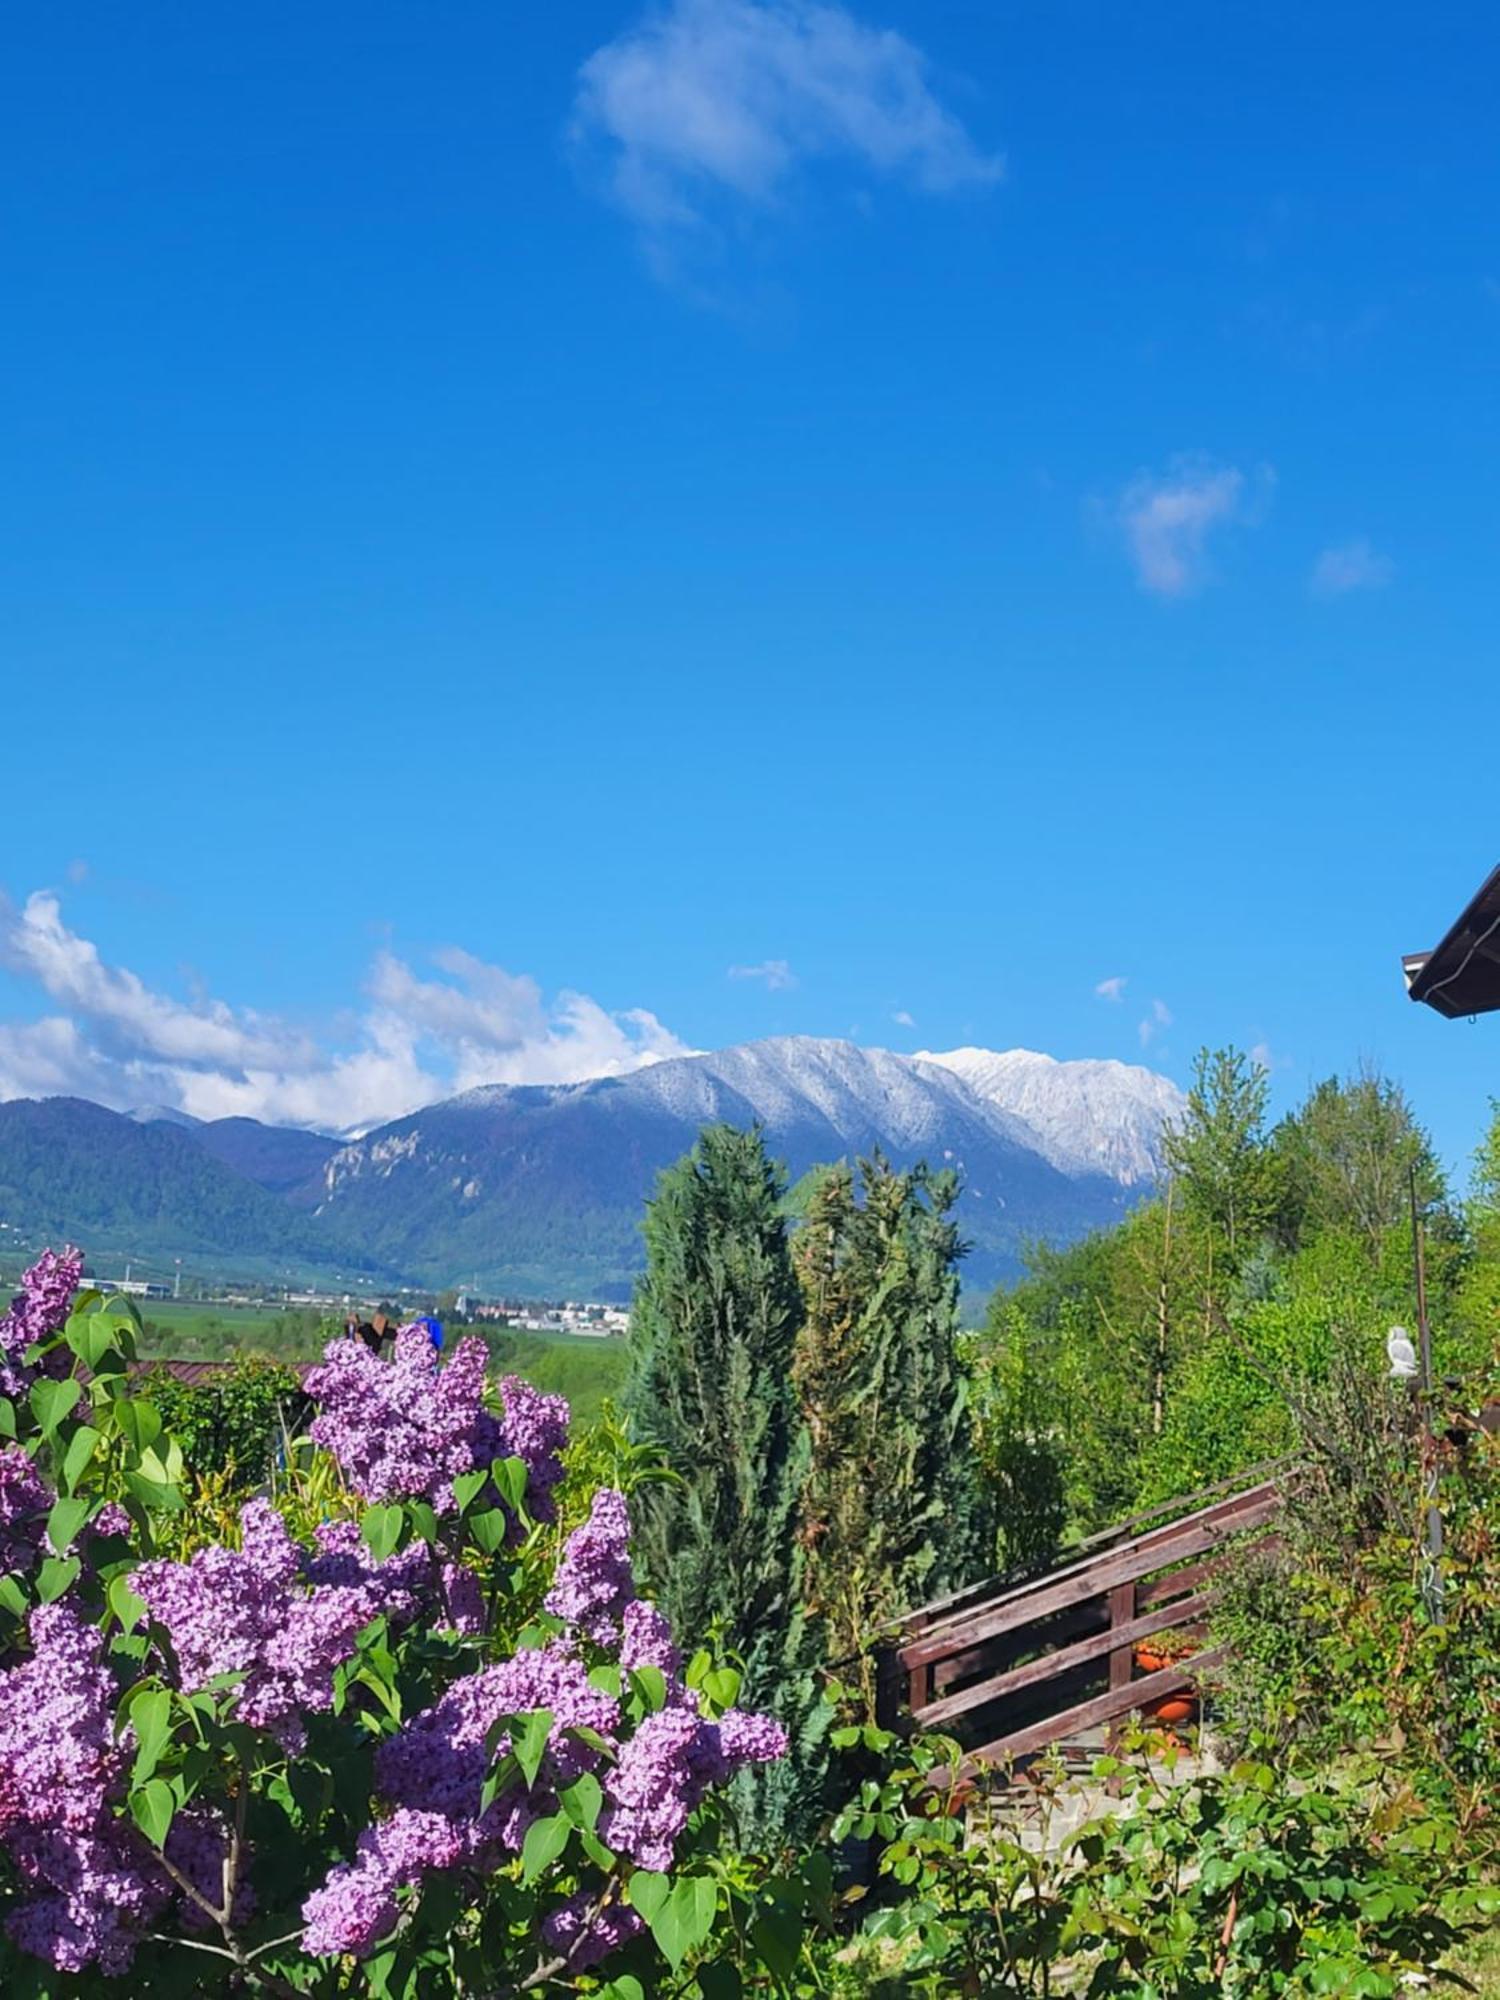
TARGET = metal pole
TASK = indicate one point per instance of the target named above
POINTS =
(1432, 1525)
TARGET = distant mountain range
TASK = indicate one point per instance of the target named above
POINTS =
(537, 1190)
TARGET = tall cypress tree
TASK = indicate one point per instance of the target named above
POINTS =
(712, 1336)
(891, 1513)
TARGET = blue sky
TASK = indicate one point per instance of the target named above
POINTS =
(950, 506)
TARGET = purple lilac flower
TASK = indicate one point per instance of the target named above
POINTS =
(431, 1775)
(463, 1600)
(197, 1847)
(37, 1311)
(593, 1583)
(534, 1429)
(406, 1428)
(646, 1639)
(90, 1886)
(668, 1767)
(409, 1581)
(358, 1903)
(24, 1503)
(345, 1560)
(112, 1519)
(584, 1935)
(247, 1611)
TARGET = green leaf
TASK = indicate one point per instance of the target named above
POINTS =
(650, 1683)
(95, 1338)
(152, 1808)
(168, 1471)
(151, 1718)
(719, 1982)
(7, 1417)
(627, 1987)
(647, 1892)
(139, 1422)
(64, 1522)
(608, 1680)
(423, 1520)
(79, 1455)
(722, 1686)
(12, 1597)
(381, 1528)
(685, 1919)
(582, 1801)
(490, 1529)
(544, 1842)
(778, 1938)
(51, 1401)
(467, 1488)
(509, 1475)
(154, 1493)
(529, 1742)
(55, 1576)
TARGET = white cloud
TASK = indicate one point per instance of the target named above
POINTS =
(120, 1042)
(1160, 1017)
(1166, 519)
(902, 1019)
(774, 973)
(1112, 989)
(705, 104)
(1351, 566)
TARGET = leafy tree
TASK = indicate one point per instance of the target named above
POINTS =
(712, 1336)
(1348, 1157)
(890, 1511)
(1218, 1151)
(1079, 1367)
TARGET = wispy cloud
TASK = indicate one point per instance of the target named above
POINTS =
(704, 108)
(902, 1019)
(1350, 566)
(414, 1038)
(1151, 1026)
(1167, 518)
(1112, 989)
(773, 973)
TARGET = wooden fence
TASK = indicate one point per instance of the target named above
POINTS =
(1024, 1664)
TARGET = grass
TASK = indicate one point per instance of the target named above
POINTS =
(1481, 1966)
(585, 1369)
(191, 1332)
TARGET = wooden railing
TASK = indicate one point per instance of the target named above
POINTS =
(1019, 1660)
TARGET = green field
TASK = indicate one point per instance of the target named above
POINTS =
(584, 1369)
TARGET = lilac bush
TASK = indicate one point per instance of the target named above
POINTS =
(432, 1774)
(36, 1312)
(250, 1613)
(341, 1764)
(24, 1504)
(406, 1429)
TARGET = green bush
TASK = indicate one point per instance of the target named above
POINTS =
(1269, 1878)
(230, 1425)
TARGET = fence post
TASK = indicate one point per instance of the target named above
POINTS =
(1122, 1658)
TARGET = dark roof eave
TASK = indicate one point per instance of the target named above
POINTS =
(1461, 976)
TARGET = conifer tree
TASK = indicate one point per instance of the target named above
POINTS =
(890, 1512)
(712, 1335)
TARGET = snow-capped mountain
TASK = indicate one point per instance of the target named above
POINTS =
(538, 1190)
(541, 1187)
(1090, 1117)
